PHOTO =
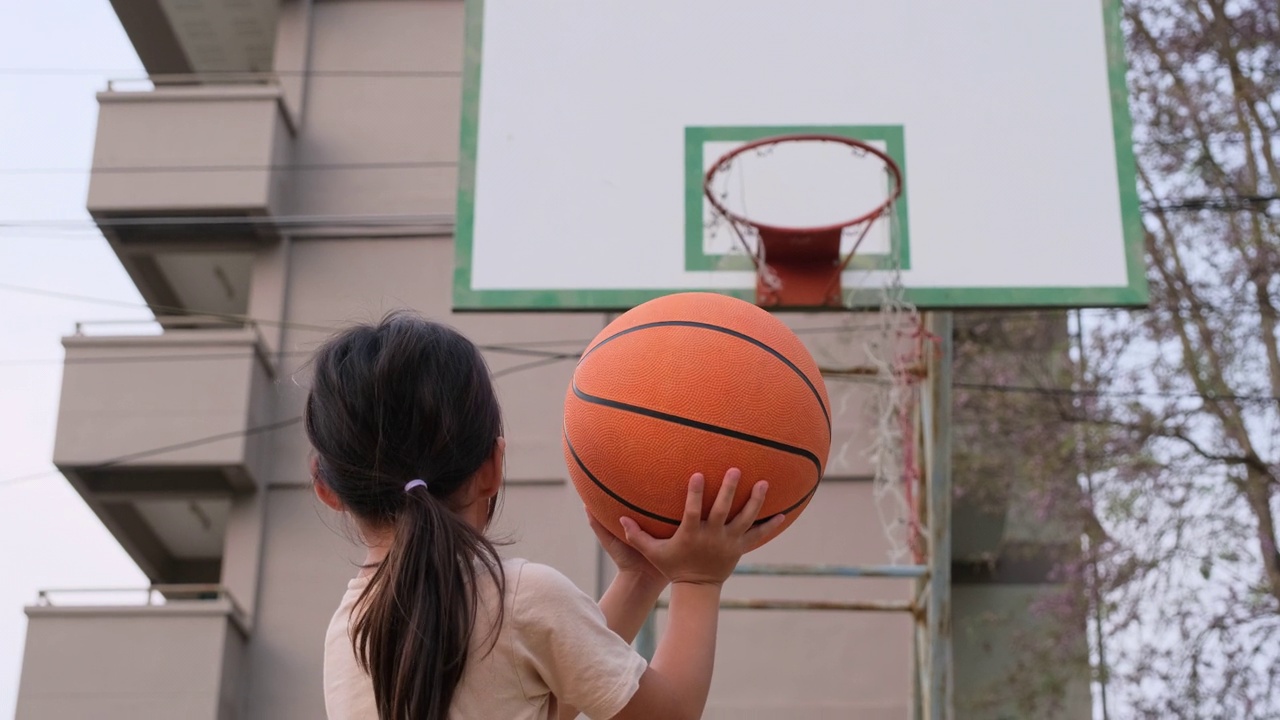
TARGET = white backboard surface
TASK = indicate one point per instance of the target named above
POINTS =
(587, 126)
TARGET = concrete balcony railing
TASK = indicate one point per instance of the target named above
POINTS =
(158, 433)
(178, 151)
(159, 652)
(180, 406)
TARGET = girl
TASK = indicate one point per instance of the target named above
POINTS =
(408, 441)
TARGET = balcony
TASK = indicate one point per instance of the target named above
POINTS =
(175, 652)
(188, 181)
(159, 432)
(180, 150)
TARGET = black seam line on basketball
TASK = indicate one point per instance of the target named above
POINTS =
(798, 503)
(591, 476)
(733, 333)
(698, 425)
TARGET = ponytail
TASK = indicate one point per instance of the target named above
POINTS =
(414, 623)
(408, 398)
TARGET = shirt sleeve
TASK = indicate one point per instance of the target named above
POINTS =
(565, 647)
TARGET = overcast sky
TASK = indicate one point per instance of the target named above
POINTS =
(54, 56)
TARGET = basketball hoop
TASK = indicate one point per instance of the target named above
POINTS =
(801, 266)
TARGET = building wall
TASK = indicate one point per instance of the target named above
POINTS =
(306, 563)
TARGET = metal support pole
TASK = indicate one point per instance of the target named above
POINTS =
(860, 605)
(848, 571)
(933, 649)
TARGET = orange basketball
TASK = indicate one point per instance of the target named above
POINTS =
(694, 382)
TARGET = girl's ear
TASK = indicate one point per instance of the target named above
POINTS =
(323, 491)
(490, 475)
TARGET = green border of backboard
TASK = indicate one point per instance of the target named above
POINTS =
(1134, 294)
(695, 206)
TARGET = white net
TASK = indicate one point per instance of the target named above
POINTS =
(894, 350)
(874, 363)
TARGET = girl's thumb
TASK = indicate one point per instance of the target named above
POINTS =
(636, 536)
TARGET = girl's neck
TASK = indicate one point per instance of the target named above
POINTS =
(378, 543)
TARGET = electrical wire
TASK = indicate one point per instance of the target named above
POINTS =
(292, 167)
(554, 358)
(1242, 203)
(523, 347)
(1073, 393)
(248, 432)
(1018, 315)
(181, 357)
(27, 478)
(190, 221)
(258, 430)
(532, 364)
(1009, 315)
(511, 348)
(142, 75)
(155, 307)
(549, 357)
(1239, 203)
(1133, 394)
(92, 228)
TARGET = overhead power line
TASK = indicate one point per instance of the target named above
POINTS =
(185, 221)
(1227, 203)
(142, 76)
(292, 167)
(1130, 394)
(546, 357)
(258, 430)
(162, 309)
(270, 427)
(286, 222)
(197, 357)
(151, 452)
(515, 348)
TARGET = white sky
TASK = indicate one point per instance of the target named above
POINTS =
(48, 537)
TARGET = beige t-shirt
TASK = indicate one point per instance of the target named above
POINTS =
(553, 646)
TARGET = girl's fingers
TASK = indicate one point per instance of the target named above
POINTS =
(637, 537)
(724, 500)
(602, 533)
(745, 517)
(759, 532)
(693, 502)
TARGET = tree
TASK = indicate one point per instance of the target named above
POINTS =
(1173, 412)
(1189, 391)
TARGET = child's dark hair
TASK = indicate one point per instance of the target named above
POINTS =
(401, 400)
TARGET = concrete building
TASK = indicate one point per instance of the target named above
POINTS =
(295, 163)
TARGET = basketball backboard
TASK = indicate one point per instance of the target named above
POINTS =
(587, 127)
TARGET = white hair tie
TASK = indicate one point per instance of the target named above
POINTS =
(413, 484)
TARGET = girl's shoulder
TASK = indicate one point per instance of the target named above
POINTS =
(534, 582)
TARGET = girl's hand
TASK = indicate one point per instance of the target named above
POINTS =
(628, 559)
(705, 552)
